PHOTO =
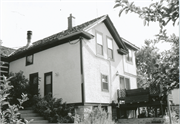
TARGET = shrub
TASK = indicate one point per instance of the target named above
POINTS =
(53, 109)
(20, 85)
(9, 113)
(97, 116)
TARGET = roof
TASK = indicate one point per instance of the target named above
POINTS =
(68, 35)
(5, 51)
(129, 44)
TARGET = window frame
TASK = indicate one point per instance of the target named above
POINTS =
(27, 59)
(106, 90)
(97, 32)
(45, 75)
(107, 37)
(124, 80)
(127, 56)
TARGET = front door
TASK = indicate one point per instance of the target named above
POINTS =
(33, 82)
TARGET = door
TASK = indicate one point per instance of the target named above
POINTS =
(33, 81)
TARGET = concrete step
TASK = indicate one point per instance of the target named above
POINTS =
(29, 115)
(26, 111)
(39, 122)
(35, 118)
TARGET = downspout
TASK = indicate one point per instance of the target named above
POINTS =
(110, 89)
(82, 71)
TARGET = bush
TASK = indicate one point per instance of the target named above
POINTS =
(97, 116)
(9, 113)
(20, 85)
(53, 109)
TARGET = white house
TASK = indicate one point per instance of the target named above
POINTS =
(84, 65)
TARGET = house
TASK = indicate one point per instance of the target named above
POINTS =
(85, 64)
(4, 64)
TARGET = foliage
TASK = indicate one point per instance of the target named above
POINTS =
(154, 67)
(20, 85)
(97, 116)
(163, 11)
(53, 109)
(9, 113)
(145, 60)
(159, 68)
(174, 118)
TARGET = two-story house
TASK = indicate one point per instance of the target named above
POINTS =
(85, 64)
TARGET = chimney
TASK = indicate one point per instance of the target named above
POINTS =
(71, 21)
(29, 33)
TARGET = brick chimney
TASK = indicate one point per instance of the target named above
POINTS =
(29, 33)
(71, 21)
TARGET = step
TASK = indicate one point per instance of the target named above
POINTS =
(26, 111)
(29, 115)
(35, 118)
(38, 121)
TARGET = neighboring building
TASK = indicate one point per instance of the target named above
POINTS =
(85, 64)
(4, 65)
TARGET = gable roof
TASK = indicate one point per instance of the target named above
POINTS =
(130, 45)
(69, 35)
(5, 51)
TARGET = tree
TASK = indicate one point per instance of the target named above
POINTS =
(160, 68)
(145, 60)
(164, 11)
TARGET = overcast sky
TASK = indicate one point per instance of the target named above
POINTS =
(45, 18)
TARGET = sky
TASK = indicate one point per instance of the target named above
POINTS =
(45, 18)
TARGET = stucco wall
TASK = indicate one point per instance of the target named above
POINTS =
(95, 65)
(64, 62)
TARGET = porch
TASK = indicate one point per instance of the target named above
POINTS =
(141, 103)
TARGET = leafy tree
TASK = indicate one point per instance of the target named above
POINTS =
(160, 68)
(162, 11)
(146, 59)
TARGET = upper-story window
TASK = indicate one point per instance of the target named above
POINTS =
(29, 59)
(110, 48)
(104, 81)
(129, 56)
(99, 41)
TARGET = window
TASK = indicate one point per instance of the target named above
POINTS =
(124, 83)
(129, 56)
(127, 83)
(47, 83)
(110, 48)
(29, 60)
(104, 80)
(99, 40)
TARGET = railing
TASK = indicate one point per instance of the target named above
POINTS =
(152, 90)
